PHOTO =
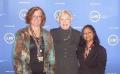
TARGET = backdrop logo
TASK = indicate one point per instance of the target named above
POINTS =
(113, 40)
(9, 38)
(22, 14)
(56, 14)
(94, 16)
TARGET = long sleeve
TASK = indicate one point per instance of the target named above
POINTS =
(51, 54)
(51, 51)
(102, 58)
(17, 62)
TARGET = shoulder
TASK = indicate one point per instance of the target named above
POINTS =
(45, 31)
(101, 49)
(54, 30)
(76, 31)
(76, 34)
(21, 31)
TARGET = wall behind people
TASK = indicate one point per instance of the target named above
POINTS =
(102, 14)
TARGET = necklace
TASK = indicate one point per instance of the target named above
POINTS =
(68, 36)
(38, 43)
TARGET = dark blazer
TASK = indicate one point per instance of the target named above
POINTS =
(94, 63)
(65, 51)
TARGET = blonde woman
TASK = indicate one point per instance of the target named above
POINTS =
(66, 40)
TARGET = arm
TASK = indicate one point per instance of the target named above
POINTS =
(51, 54)
(17, 62)
(102, 58)
(51, 50)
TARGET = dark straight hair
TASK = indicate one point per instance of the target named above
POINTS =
(95, 38)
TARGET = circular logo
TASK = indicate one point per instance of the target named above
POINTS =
(56, 14)
(22, 14)
(9, 38)
(113, 40)
(94, 16)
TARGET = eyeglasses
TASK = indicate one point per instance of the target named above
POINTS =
(37, 17)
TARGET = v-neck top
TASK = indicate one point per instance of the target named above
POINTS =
(35, 65)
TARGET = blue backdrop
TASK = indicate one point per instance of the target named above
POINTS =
(104, 15)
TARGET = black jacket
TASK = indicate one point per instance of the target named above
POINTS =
(94, 63)
(65, 50)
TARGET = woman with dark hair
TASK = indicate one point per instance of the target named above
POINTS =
(91, 55)
(33, 47)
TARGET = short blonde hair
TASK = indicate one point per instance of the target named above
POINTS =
(60, 12)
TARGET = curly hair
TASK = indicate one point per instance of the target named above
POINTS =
(60, 12)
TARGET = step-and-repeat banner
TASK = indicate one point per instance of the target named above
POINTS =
(104, 15)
